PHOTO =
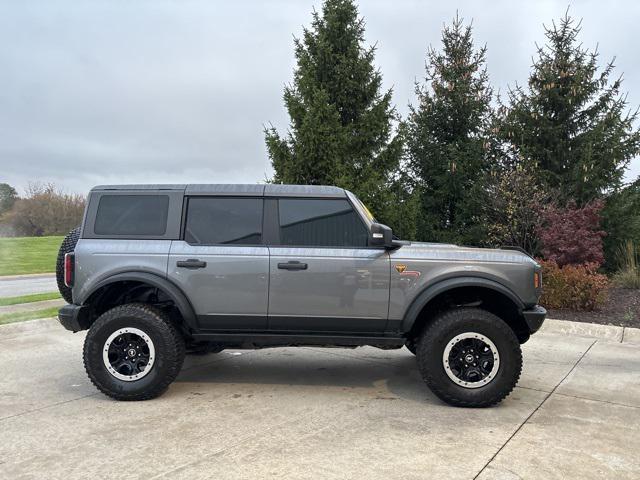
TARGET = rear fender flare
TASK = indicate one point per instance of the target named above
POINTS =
(173, 292)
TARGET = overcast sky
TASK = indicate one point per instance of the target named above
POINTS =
(178, 91)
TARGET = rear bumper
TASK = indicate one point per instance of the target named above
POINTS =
(534, 317)
(73, 317)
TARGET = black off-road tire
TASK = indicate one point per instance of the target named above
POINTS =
(68, 245)
(445, 327)
(167, 340)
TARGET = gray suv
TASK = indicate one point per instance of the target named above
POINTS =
(159, 271)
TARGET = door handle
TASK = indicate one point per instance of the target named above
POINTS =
(293, 265)
(191, 263)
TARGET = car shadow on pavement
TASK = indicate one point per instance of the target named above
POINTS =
(395, 378)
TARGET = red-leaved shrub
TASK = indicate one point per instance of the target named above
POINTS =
(574, 287)
(572, 235)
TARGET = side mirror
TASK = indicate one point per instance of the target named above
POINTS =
(380, 236)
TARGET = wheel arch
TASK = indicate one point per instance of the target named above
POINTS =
(466, 291)
(125, 281)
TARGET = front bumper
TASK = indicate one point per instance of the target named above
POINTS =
(534, 317)
(73, 317)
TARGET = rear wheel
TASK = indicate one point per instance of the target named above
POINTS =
(133, 352)
(68, 246)
(469, 357)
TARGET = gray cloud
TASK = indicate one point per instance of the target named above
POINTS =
(167, 91)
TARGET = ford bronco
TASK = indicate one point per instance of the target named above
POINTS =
(158, 271)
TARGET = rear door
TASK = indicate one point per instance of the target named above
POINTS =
(324, 276)
(221, 263)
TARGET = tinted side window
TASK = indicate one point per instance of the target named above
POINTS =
(212, 221)
(132, 215)
(322, 223)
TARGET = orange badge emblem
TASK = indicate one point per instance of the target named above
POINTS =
(402, 270)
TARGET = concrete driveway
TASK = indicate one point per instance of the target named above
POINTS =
(311, 413)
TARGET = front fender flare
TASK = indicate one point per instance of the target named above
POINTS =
(173, 291)
(430, 292)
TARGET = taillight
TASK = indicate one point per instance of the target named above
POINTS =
(537, 280)
(69, 266)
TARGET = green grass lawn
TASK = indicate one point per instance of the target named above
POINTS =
(28, 255)
(22, 316)
(36, 297)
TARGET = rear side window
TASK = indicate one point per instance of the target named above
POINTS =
(322, 223)
(131, 215)
(214, 221)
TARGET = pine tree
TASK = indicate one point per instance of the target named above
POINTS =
(447, 139)
(572, 125)
(342, 124)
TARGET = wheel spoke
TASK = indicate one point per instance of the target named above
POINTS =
(471, 360)
(129, 355)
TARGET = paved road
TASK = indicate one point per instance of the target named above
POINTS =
(18, 285)
(312, 413)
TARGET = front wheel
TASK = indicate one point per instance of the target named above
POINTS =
(133, 352)
(469, 357)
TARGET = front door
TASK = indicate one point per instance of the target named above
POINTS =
(222, 265)
(323, 276)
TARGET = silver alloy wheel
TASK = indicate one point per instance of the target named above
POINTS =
(471, 360)
(128, 354)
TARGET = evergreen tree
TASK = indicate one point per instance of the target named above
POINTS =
(572, 125)
(342, 124)
(621, 221)
(447, 139)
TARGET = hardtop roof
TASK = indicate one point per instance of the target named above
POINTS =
(268, 190)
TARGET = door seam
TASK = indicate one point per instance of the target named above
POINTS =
(268, 287)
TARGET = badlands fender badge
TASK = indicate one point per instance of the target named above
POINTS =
(402, 270)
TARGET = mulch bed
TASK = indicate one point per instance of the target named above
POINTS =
(622, 308)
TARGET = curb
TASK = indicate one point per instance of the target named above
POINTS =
(612, 333)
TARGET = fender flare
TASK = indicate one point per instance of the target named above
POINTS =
(173, 291)
(429, 293)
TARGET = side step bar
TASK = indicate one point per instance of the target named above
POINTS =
(259, 340)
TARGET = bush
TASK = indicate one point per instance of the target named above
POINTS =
(573, 287)
(572, 235)
(627, 279)
(629, 274)
(44, 211)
